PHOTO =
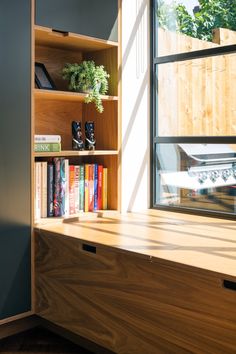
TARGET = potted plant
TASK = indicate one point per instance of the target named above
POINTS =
(88, 78)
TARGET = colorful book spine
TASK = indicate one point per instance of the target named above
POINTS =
(67, 193)
(50, 190)
(43, 189)
(47, 138)
(57, 184)
(104, 189)
(37, 205)
(47, 147)
(62, 187)
(81, 188)
(77, 174)
(86, 188)
(72, 190)
(100, 174)
(95, 186)
(91, 187)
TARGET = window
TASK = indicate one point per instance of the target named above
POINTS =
(194, 106)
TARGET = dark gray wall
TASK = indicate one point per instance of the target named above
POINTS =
(15, 110)
(96, 18)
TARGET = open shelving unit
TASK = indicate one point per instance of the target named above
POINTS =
(54, 110)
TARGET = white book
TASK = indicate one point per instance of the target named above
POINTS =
(67, 174)
(37, 185)
(43, 189)
(47, 138)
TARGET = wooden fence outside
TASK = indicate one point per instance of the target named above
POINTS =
(196, 97)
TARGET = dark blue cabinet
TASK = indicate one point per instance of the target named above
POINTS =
(15, 157)
(88, 17)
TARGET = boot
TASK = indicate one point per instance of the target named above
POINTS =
(77, 142)
(90, 141)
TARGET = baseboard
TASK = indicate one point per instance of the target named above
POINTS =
(18, 326)
(81, 341)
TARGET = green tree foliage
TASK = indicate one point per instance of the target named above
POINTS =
(212, 14)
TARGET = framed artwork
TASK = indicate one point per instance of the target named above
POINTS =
(42, 77)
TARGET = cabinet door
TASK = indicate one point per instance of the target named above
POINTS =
(15, 92)
(128, 304)
(88, 17)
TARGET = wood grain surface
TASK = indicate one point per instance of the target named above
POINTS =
(196, 241)
(131, 303)
(70, 41)
(67, 95)
(55, 118)
(109, 59)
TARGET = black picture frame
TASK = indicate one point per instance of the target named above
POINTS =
(42, 77)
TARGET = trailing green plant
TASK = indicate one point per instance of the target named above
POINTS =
(88, 78)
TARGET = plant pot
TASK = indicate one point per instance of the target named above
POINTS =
(90, 89)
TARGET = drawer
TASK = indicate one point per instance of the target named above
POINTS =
(129, 304)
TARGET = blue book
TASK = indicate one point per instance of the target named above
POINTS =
(95, 186)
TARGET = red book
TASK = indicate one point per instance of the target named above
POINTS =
(91, 187)
(100, 172)
(72, 190)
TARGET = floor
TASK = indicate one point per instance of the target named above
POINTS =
(39, 341)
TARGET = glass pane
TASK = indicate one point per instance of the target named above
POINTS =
(188, 25)
(197, 97)
(199, 176)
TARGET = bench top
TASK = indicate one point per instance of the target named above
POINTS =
(202, 242)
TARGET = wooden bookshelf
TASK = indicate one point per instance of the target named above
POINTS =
(70, 41)
(66, 96)
(79, 217)
(54, 110)
(69, 153)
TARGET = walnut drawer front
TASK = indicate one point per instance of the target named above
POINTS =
(130, 304)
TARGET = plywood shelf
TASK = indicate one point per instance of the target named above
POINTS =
(70, 41)
(76, 153)
(83, 216)
(66, 95)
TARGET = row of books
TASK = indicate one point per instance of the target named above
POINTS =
(47, 143)
(62, 189)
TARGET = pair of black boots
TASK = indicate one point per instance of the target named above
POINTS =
(77, 140)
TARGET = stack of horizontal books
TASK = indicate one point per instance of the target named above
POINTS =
(47, 143)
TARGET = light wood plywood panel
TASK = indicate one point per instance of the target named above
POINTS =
(54, 60)
(56, 117)
(66, 96)
(106, 124)
(108, 58)
(69, 41)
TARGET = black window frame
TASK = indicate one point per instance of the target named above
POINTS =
(155, 139)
